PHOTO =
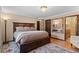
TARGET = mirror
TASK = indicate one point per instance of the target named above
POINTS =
(58, 28)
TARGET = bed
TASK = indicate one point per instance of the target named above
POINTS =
(28, 40)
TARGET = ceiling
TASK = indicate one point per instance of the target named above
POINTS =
(34, 11)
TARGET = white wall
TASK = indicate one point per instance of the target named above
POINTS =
(15, 18)
(0, 34)
(0, 29)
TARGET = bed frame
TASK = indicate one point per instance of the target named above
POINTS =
(28, 46)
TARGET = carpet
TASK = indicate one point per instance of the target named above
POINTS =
(48, 48)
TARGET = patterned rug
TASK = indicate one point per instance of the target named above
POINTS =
(51, 48)
(48, 48)
(11, 48)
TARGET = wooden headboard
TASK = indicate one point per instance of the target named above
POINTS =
(18, 24)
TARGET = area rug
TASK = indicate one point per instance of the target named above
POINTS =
(48, 48)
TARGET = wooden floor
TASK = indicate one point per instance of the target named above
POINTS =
(65, 44)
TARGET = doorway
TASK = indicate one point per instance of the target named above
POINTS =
(38, 25)
(48, 26)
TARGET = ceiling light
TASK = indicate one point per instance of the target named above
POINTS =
(43, 8)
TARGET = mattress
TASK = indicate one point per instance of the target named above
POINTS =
(26, 36)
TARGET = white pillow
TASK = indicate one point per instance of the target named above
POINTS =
(19, 28)
(27, 28)
(33, 29)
